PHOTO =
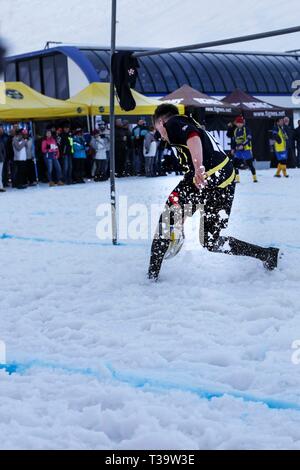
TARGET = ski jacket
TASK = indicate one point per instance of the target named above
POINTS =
(50, 148)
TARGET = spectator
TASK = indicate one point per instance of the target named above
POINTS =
(51, 155)
(79, 156)
(138, 135)
(30, 164)
(150, 151)
(161, 144)
(67, 152)
(105, 131)
(290, 142)
(2, 160)
(129, 163)
(3, 136)
(297, 140)
(120, 148)
(99, 144)
(4, 140)
(90, 154)
(20, 159)
(58, 134)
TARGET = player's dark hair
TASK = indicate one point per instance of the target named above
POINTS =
(165, 110)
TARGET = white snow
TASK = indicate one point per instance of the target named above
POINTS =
(215, 322)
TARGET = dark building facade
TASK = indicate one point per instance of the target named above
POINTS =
(212, 72)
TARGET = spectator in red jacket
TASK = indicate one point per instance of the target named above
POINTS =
(51, 155)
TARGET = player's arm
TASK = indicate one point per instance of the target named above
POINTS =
(195, 147)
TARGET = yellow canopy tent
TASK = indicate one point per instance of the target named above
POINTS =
(20, 102)
(96, 97)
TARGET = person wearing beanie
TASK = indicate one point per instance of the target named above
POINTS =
(242, 143)
(281, 149)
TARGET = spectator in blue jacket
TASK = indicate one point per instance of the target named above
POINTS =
(79, 156)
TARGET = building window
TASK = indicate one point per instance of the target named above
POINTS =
(35, 75)
(61, 77)
(24, 72)
(10, 72)
(49, 76)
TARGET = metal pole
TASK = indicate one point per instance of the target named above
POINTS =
(112, 127)
(88, 124)
(222, 42)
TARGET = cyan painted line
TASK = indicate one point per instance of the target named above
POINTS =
(8, 236)
(139, 382)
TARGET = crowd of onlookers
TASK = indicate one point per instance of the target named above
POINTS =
(64, 156)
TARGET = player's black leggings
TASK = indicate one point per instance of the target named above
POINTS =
(237, 162)
(215, 207)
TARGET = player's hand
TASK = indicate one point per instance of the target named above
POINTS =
(200, 178)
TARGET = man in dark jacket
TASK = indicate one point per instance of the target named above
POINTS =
(297, 140)
(2, 160)
(3, 142)
(138, 134)
(67, 151)
(290, 143)
(121, 148)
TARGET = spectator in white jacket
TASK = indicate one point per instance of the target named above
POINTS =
(100, 144)
(30, 164)
(150, 151)
(20, 160)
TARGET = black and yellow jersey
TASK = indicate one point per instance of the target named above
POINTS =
(217, 165)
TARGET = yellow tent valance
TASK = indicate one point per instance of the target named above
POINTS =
(20, 102)
(96, 97)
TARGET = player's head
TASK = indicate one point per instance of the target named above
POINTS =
(162, 113)
(239, 122)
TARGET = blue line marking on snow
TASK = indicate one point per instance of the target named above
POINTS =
(137, 382)
(8, 236)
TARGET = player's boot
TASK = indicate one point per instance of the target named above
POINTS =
(176, 242)
(230, 245)
(277, 174)
(284, 171)
(255, 179)
(271, 261)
